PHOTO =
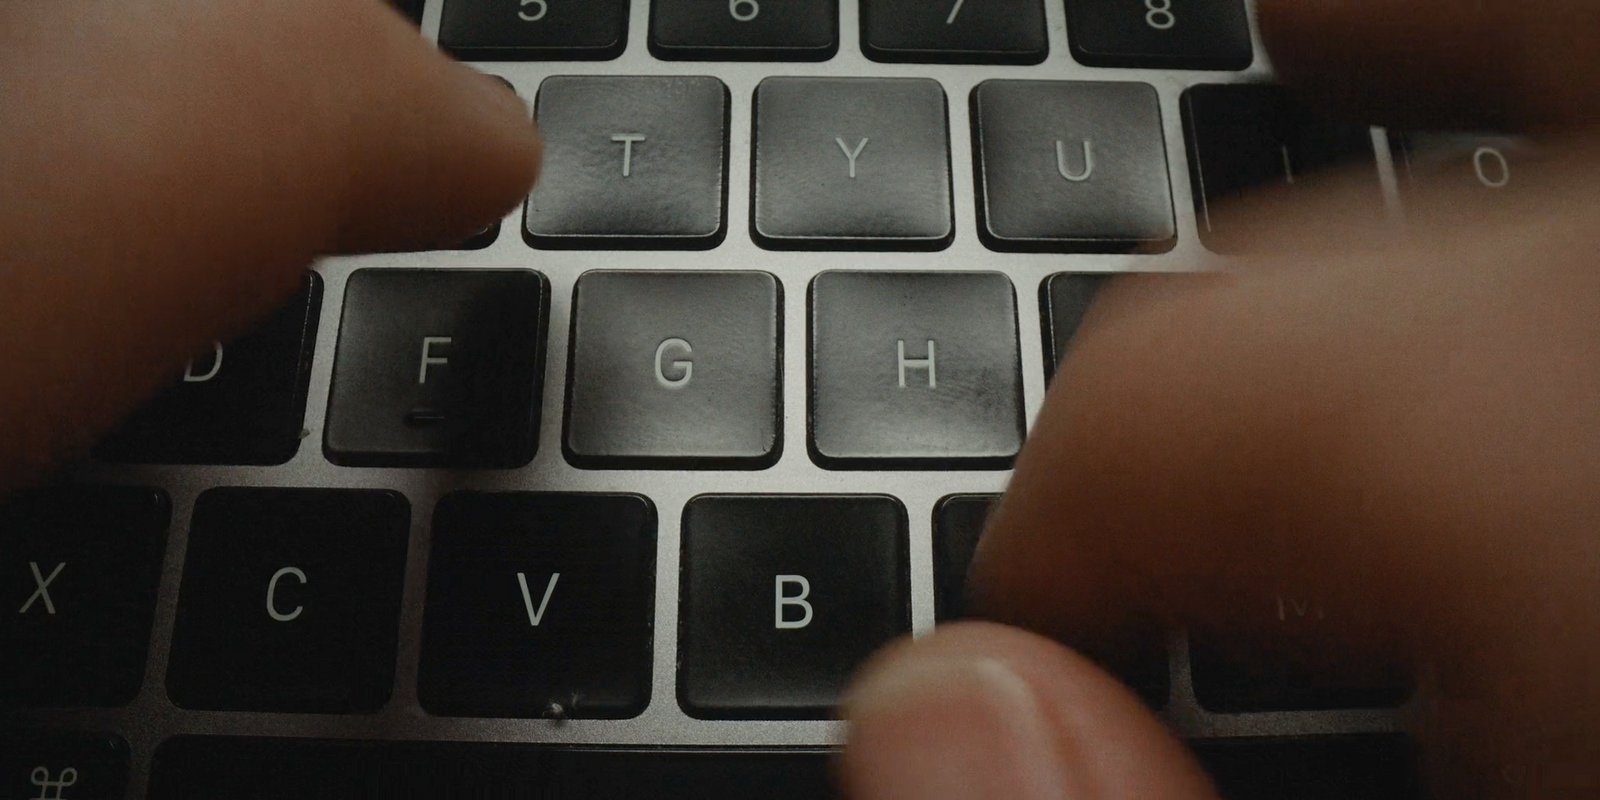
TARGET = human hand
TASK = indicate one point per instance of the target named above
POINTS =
(1404, 431)
(169, 168)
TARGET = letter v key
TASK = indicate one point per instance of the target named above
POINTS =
(527, 599)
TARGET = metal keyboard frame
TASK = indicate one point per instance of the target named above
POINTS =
(151, 717)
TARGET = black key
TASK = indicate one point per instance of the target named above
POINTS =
(957, 526)
(1290, 661)
(534, 30)
(958, 520)
(783, 597)
(62, 766)
(239, 403)
(1246, 136)
(1064, 299)
(78, 574)
(290, 769)
(290, 601)
(1436, 167)
(914, 370)
(979, 32)
(675, 369)
(744, 30)
(631, 162)
(479, 240)
(1371, 767)
(539, 605)
(438, 368)
(851, 163)
(1071, 167)
(410, 9)
(1160, 34)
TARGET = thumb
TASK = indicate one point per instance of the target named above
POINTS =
(978, 710)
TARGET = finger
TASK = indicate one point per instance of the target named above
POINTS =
(1404, 441)
(172, 167)
(1490, 64)
(980, 711)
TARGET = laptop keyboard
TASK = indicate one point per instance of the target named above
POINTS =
(610, 499)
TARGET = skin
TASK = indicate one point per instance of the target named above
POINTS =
(1400, 428)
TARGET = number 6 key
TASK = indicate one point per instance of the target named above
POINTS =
(743, 30)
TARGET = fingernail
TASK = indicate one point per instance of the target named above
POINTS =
(947, 727)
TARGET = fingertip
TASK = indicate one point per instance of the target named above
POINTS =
(983, 710)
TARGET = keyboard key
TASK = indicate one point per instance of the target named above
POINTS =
(290, 601)
(1371, 767)
(1160, 34)
(741, 30)
(78, 575)
(852, 163)
(986, 32)
(914, 370)
(674, 370)
(1436, 167)
(783, 597)
(438, 368)
(479, 240)
(958, 521)
(534, 30)
(239, 403)
(1071, 167)
(539, 605)
(63, 766)
(631, 162)
(290, 769)
(1289, 663)
(410, 9)
(1065, 298)
(1244, 136)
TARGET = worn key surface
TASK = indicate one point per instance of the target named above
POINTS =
(78, 574)
(675, 370)
(636, 162)
(1071, 167)
(438, 368)
(914, 370)
(957, 31)
(851, 163)
(290, 601)
(539, 605)
(782, 597)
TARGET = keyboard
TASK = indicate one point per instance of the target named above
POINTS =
(610, 499)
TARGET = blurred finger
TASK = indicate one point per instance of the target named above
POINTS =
(1357, 463)
(983, 711)
(172, 167)
(1489, 64)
